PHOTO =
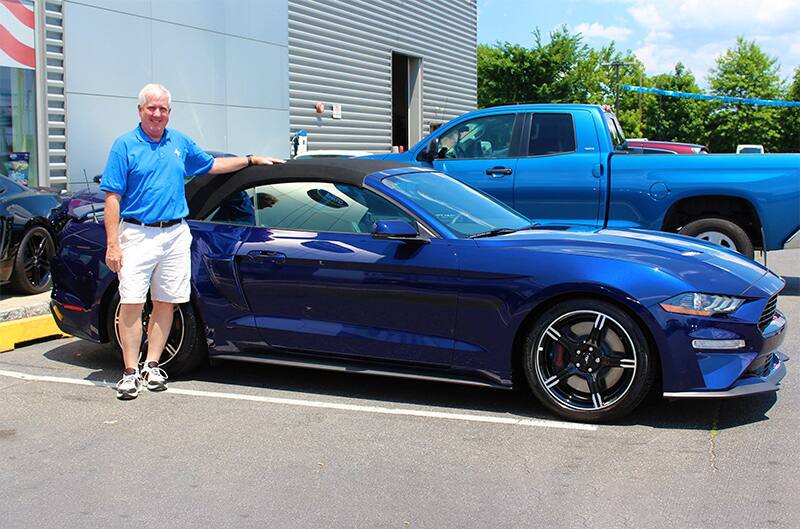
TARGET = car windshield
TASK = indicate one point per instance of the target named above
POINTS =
(465, 211)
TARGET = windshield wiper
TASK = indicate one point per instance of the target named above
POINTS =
(501, 231)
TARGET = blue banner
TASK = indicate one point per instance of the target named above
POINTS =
(704, 97)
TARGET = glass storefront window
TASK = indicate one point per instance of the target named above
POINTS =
(18, 92)
(18, 124)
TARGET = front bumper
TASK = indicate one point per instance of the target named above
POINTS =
(768, 381)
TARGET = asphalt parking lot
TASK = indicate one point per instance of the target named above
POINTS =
(257, 446)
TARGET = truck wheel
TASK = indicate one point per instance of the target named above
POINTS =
(721, 232)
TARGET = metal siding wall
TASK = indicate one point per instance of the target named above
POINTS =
(51, 101)
(341, 52)
(227, 67)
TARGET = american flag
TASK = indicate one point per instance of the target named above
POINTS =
(16, 34)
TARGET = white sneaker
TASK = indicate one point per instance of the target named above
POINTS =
(154, 377)
(129, 386)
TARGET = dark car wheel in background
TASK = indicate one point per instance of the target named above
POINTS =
(722, 233)
(587, 360)
(32, 263)
(185, 349)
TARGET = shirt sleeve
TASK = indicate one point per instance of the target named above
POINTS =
(115, 175)
(197, 161)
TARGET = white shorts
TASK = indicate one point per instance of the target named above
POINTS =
(157, 259)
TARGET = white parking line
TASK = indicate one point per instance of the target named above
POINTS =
(543, 423)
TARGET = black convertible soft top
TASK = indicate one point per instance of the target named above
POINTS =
(205, 192)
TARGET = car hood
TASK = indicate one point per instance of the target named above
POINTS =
(702, 266)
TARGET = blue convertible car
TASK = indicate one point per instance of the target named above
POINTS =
(385, 268)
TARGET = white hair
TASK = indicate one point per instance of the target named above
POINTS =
(154, 90)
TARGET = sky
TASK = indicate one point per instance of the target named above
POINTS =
(660, 32)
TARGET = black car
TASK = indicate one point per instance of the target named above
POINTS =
(26, 240)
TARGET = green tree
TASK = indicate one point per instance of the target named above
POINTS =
(562, 69)
(745, 71)
(672, 118)
(547, 72)
(790, 117)
(604, 84)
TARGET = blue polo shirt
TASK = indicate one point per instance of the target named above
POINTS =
(149, 175)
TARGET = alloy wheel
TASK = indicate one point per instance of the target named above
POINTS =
(174, 340)
(585, 360)
(37, 251)
(718, 238)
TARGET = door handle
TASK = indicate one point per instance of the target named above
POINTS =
(498, 172)
(266, 255)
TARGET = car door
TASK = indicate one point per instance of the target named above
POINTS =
(561, 178)
(481, 152)
(317, 281)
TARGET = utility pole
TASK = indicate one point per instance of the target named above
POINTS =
(617, 65)
(641, 80)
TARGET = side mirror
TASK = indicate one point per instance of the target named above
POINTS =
(429, 153)
(396, 230)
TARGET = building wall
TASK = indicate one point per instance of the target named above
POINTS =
(225, 62)
(340, 51)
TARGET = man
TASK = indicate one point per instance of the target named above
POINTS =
(148, 240)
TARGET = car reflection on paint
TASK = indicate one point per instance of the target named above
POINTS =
(384, 268)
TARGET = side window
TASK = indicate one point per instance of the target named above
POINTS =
(237, 208)
(322, 206)
(551, 134)
(485, 137)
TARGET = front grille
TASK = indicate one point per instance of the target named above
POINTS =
(769, 312)
(761, 366)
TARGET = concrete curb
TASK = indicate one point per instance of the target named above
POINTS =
(29, 311)
(17, 331)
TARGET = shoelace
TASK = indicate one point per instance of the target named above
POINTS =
(132, 378)
(157, 371)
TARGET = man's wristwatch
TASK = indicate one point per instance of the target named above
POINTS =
(249, 160)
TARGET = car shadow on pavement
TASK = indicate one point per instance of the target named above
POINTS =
(244, 377)
(101, 358)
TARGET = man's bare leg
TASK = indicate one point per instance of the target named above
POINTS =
(158, 329)
(130, 333)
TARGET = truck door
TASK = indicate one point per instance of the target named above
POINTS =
(481, 152)
(560, 178)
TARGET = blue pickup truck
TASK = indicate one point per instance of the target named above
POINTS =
(569, 164)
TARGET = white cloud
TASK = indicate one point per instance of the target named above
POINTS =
(661, 58)
(597, 30)
(649, 17)
(696, 32)
(716, 15)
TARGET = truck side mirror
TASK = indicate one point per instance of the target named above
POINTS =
(429, 153)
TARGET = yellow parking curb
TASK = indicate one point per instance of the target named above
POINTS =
(27, 329)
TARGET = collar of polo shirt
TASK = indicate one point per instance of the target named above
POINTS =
(141, 135)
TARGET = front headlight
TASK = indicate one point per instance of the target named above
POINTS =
(697, 304)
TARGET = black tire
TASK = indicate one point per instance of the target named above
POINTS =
(186, 349)
(589, 361)
(722, 232)
(32, 263)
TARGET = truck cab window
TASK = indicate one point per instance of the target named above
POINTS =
(551, 134)
(486, 137)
